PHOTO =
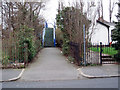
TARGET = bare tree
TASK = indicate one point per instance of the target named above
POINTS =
(100, 9)
(101, 1)
(92, 12)
(17, 15)
(1, 15)
(111, 8)
(72, 20)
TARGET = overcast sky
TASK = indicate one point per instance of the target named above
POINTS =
(52, 6)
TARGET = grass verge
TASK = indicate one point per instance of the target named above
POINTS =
(106, 50)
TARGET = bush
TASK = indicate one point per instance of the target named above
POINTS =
(26, 35)
(71, 59)
(66, 46)
(117, 57)
(116, 38)
(5, 60)
(59, 37)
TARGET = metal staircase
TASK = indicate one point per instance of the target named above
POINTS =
(48, 38)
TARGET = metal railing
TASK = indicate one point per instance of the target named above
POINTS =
(95, 53)
(14, 56)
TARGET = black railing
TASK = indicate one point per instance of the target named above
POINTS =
(14, 56)
(95, 53)
(74, 52)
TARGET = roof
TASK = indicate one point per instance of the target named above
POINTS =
(110, 23)
(105, 23)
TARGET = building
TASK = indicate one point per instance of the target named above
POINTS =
(102, 32)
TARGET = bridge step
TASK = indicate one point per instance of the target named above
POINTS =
(49, 38)
(107, 59)
(106, 56)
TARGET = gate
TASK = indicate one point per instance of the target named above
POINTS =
(96, 54)
(107, 53)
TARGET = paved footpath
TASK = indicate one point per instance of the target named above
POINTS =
(50, 65)
(10, 74)
(106, 70)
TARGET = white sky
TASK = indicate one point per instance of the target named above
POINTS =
(52, 5)
(51, 10)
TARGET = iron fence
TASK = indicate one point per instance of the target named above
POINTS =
(95, 53)
(75, 52)
(14, 56)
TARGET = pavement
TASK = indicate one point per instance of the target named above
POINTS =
(51, 65)
(7, 75)
(103, 71)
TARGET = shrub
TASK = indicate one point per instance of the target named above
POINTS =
(26, 35)
(66, 46)
(117, 57)
(71, 59)
(59, 37)
(116, 38)
(5, 60)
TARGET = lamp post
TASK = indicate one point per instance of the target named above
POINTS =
(84, 45)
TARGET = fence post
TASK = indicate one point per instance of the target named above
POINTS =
(101, 53)
(25, 54)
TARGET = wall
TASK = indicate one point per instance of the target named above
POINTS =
(100, 34)
(111, 28)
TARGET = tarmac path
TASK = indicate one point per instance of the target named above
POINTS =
(50, 65)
